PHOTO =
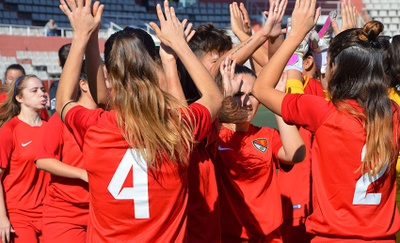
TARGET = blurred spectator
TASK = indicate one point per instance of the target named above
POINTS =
(62, 57)
(50, 29)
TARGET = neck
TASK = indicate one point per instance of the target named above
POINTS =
(87, 102)
(30, 117)
(241, 127)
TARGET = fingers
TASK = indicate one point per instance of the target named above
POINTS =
(156, 29)
(64, 7)
(317, 14)
(232, 67)
(160, 14)
(7, 236)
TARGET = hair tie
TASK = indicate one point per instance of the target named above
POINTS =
(16, 85)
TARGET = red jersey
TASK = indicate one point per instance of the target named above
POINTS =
(128, 201)
(347, 204)
(313, 86)
(246, 172)
(24, 185)
(203, 224)
(61, 145)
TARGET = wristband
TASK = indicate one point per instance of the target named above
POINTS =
(294, 86)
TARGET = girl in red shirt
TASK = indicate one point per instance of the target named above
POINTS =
(356, 133)
(136, 154)
(23, 186)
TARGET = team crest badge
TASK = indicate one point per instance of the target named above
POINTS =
(261, 144)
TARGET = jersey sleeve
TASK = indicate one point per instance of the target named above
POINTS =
(51, 146)
(6, 146)
(308, 111)
(203, 121)
(79, 119)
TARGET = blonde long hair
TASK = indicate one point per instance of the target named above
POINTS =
(150, 120)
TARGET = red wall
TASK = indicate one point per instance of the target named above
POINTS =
(9, 44)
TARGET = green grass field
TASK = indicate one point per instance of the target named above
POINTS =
(264, 117)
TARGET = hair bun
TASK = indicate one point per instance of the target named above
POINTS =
(370, 31)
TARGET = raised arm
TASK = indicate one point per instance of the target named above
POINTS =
(304, 17)
(349, 17)
(83, 23)
(171, 34)
(293, 149)
(95, 72)
(246, 48)
(172, 83)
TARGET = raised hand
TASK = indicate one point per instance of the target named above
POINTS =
(237, 19)
(166, 53)
(349, 17)
(227, 70)
(304, 17)
(275, 15)
(246, 19)
(171, 31)
(272, 26)
(84, 20)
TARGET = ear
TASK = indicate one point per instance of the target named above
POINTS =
(19, 98)
(83, 85)
(308, 63)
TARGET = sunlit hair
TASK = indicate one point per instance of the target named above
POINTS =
(208, 39)
(230, 111)
(150, 120)
(358, 73)
(11, 107)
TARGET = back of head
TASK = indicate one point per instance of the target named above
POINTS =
(149, 118)
(357, 63)
(63, 54)
(357, 60)
(208, 39)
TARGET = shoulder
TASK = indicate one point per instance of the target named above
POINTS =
(7, 130)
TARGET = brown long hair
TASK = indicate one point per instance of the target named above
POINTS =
(359, 74)
(11, 107)
(150, 120)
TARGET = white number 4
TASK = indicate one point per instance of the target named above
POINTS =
(139, 193)
(360, 195)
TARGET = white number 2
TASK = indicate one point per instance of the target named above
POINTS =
(139, 192)
(360, 195)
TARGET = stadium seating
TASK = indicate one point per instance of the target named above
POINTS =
(387, 12)
(28, 17)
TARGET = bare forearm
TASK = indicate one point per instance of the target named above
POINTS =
(94, 68)
(58, 168)
(293, 148)
(172, 80)
(68, 85)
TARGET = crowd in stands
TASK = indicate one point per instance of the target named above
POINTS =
(156, 143)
